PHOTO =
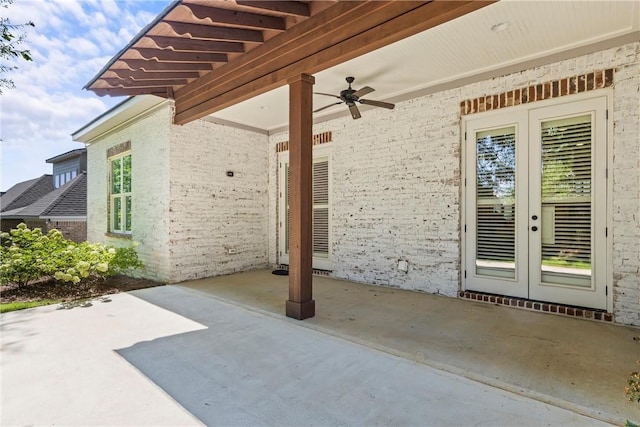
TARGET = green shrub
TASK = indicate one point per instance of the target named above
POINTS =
(633, 386)
(28, 255)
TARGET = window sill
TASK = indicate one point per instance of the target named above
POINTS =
(118, 235)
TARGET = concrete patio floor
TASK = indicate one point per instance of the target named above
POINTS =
(576, 364)
(220, 352)
(173, 356)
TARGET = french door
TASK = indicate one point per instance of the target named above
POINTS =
(536, 203)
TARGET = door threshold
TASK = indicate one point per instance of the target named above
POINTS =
(314, 271)
(545, 307)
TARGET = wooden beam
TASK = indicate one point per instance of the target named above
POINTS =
(286, 7)
(195, 45)
(172, 56)
(212, 32)
(151, 65)
(423, 17)
(162, 75)
(158, 91)
(340, 21)
(234, 17)
(126, 83)
(300, 304)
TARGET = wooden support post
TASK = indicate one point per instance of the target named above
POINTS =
(300, 304)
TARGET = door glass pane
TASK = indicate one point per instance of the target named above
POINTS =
(495, 202)
(566, 201)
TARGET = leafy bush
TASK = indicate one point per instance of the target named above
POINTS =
(633, 386)
(28, 255)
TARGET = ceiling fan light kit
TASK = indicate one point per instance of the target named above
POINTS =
(351, 97)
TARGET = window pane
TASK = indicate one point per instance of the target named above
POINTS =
(116, 176)
(73, 174)
(495, 202)
(127, 226)
(566, 201)
(117, 214)
(126, 174)
(57, 181)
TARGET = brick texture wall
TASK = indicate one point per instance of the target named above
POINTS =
(212, 214)
(72, 230)
(150, 190)
(396, 182)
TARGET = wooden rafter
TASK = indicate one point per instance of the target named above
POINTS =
(162, 75)
(115, 82)
(172, 56)
(338, 23)
(151, 65)
(195, 45)
(212, 32)
(236, 18)
(288, 7)
(222, 52)
(158, 91)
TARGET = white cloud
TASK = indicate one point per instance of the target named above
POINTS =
(72, 41)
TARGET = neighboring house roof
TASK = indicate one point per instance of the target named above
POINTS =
(68, 155)
(25, 193)
(68, 200)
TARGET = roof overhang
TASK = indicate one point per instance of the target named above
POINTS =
(211, 54)
(125, 112)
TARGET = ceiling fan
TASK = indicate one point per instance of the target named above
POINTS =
(351, 96)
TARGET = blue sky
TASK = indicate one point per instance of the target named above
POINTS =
(72, 40)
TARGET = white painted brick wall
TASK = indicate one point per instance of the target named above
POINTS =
(150, 190)
(210, 212)
(626, 186)
(396, 183)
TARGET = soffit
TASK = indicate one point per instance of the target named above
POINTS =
(459, 52)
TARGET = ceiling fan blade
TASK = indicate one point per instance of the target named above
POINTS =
(327, 94)
(355, 113)
(363, 91)
(377, 103)
(327, 106)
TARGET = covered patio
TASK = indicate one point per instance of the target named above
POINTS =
(579, 365)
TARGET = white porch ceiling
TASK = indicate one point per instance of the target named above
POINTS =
(539, 32)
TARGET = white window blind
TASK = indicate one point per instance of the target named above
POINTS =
(566, 193)
(495, 201)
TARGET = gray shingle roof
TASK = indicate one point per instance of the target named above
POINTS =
(25, 193)
(64, 156)
(67, 200)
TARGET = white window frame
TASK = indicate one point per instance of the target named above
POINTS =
(122, 196)
(320, 153)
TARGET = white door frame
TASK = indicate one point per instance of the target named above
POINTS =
(604, 272)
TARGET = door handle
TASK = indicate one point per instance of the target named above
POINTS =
(534, 217)
(534, 228)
